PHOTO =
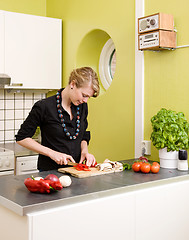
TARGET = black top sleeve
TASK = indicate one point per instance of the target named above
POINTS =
(33, 120)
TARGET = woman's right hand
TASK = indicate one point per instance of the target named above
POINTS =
(61, 158)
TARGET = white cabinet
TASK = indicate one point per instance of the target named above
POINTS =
(2, 42)
(32, 50)
(26, 164)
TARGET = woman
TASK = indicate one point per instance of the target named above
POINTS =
(62, 119)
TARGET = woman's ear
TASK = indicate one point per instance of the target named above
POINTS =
(72, 84)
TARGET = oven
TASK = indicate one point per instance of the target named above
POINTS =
(6, 162)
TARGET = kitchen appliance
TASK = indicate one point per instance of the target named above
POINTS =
(6, 162)
(157, 40)
(154, 22)
(4, 80)
(183, 160)
(156, 32)
(26, 165)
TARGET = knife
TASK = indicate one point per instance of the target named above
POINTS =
(70, 163)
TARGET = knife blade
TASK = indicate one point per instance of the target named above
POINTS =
(70, 163)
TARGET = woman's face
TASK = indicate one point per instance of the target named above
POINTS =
(82, 94)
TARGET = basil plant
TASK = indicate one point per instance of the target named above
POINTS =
(170, 129)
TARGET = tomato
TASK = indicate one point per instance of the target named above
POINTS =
(155, 168)
(136, 167)
(140, 162)
(156, 163)
(145, 168)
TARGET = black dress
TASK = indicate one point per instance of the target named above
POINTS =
(45, 115)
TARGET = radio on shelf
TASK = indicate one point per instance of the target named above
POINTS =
(156, 32)
(157, 40)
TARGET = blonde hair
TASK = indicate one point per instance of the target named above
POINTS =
(85, 75)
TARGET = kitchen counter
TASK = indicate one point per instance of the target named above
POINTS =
(15, 196)
(122, 205)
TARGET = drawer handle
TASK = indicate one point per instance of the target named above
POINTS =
(16, 85)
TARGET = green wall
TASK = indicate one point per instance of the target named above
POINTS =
(111, 115)
(167, 72)
(35, 7)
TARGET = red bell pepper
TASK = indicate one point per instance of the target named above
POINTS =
(82, 167)
(41, 186)
(56, 185)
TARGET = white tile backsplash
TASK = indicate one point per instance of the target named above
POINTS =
(14, 108)
(2, 125)
(19, 114)
(9, 124)
(9, 135)
(26, 113)
(19, 96)
(19, 104)
(2, 115)
(29, 95)
(2, 136)
(9, 104)
(28, 103)
(9, 114)
(1, 94)
(18, 124)
(9, 95)
(2, 104)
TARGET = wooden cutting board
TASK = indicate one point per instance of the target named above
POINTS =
(83, 174)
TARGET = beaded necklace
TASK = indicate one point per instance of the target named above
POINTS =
(60, 114)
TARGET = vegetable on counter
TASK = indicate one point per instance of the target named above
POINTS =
(142, 165)
(109, 165)
(54, 181)
(65, 181)
(82, 167)
(126, 166)
(40, 185)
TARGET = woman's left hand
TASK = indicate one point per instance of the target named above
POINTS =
(90, 159)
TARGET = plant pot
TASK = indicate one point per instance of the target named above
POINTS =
(168, 159)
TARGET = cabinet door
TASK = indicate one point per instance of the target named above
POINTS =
(33, 51)
(2, 42)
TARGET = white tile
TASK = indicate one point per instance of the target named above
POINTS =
(19, 104)
(28, 95)
(28, 103)
(37, 96)
(2, 104)
(18, 114)
(18, 124)
(9, 114)
(1, 125)
(9, 104)
(9, 124)
(1, 135)
(19, 96)
(35, 100)
(26, 113)
(1, 114)
(11, 141)
(9, 135)
(1, 94)
(9, 95)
